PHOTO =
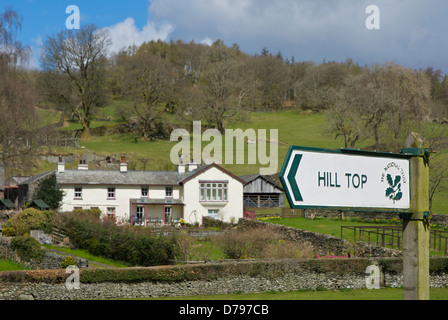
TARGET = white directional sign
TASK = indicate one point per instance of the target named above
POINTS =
(315, 178)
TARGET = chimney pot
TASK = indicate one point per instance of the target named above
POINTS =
(123, 165)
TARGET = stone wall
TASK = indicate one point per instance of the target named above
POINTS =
(50, 261)
(301, 275)
(323, 244)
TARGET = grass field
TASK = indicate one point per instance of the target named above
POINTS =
(7, 265)
(333, 227)
(346, 294)
(294, 128)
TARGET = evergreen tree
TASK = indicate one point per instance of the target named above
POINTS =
(49, 191)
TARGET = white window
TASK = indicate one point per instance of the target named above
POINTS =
(213, 213)
(144, 192)
(169, 192)
(111, 212)
(110, 193)
(78, 193)
(213, 191)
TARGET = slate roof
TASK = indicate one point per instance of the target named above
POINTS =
(133, 178)
(113, 177)
(35, 178)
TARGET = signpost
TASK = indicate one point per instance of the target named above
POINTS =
(348, 179)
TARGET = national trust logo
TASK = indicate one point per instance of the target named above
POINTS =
(394, 178)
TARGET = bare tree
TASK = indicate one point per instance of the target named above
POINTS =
(18, 119)
(148, 81)
(77, 59)
(344, 115)
(221, 90)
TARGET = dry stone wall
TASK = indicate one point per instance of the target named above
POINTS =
(230, 278)
(323, 244)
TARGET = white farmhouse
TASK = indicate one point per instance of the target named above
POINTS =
(154, 197)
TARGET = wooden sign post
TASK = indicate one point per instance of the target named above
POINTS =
(416, 231)
(349, 179)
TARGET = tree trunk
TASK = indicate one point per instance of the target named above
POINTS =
(86, 134)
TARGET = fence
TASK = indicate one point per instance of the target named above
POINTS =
(393, 236)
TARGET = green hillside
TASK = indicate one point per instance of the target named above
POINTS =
(294, 128)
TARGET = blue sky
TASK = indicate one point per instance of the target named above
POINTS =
(412, 32)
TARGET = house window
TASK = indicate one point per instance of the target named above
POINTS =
(110, 193)
(168, 214)
(78, 193)
(144, 192)
(213, 191)
(213, 213)
(111, 212)
(169, 192)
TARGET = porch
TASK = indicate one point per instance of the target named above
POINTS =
(156, 212)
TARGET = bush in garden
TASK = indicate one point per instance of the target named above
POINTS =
(28, 248)
(135, 246)
(30, 219)
(68, 261)
(260, 243)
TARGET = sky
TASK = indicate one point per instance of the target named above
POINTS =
(407, 32)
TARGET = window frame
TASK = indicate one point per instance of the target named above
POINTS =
(111, 209)
(214, 215)
(109, 192)
(214, 191)
(169, 194)
(80, 192)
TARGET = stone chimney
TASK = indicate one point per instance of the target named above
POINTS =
(83, 165)
(61, 165)
(181, 168)
(193, 166)
(123, 165)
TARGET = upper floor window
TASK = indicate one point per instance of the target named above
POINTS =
(213, 191)
(144, 192)
(169, 192)
(110, 193)
(78, 193)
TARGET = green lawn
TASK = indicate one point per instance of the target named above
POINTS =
(86, 255)
(333, 227)
(7, 265)
(326, 226)
(346, 294)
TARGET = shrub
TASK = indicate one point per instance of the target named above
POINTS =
(260, 243)
(68, 261)
(135, 246)
(30, 219)
(28, 248)
(8, 230)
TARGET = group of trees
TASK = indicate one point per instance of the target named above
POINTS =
(218, 84)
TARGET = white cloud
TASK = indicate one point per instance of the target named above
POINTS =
(126, 33)
(411, 31)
